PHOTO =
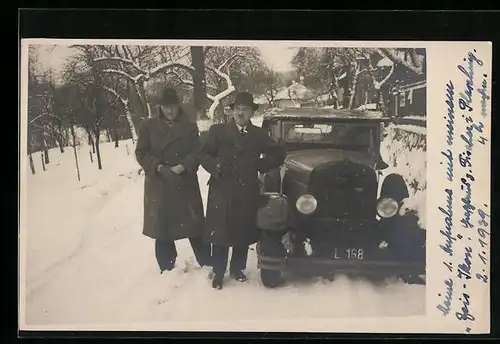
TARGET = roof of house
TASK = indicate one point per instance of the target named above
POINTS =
(323, 113)
(297, 90)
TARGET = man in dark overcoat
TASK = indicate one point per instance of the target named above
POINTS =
(168, 150)
(234, 153)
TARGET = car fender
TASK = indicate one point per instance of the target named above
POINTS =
(273, 212)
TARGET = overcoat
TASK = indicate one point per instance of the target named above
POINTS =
(173, 207)
(234, 161)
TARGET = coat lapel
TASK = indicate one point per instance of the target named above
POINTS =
(241, 142)
(235, 135)
(170, 131)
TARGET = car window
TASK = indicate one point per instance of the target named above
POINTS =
(337, 134)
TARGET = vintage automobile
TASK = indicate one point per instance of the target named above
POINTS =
(328, 209)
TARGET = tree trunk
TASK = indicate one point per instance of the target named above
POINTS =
(32, 164)
(108, 135)
(354, 87)
(98, 152)
(43, 161)
(45, 152)
(30, 157)
(131, 124)
(91, 145)
(115, 136)
(199, 80)
(74, 151)
(91, 141)
(60, 143)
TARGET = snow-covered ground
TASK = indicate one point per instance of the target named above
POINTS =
(404, 150)
(87, 262)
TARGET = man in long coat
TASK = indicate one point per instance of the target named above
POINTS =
(234, 153)
(168, 151)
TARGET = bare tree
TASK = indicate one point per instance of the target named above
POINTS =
(87, 76)
(133, 66)
(324, 68)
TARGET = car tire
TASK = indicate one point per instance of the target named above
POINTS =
(271, 278)
(271, 246)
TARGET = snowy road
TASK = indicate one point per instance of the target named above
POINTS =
(88, 263)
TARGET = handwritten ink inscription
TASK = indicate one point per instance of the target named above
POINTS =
(448, 220)
(460, 242)
(465, 314)
(445, 306)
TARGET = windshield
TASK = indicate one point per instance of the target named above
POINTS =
(334, 134)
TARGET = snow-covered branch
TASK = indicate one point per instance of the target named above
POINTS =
(121, 59)
(34, 119)
(230, 87)
(229, 61)
(98, 123)
(125, 74)
(379, 84)
(128, 115)
(179, 78)
(118, 97)
(46, 130)
(167, 65)
(396, 59)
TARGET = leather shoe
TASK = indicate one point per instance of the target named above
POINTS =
(239, 276)
(217, 282)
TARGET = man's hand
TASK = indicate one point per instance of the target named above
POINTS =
(164, 170)
(178, 169)
(223, 169)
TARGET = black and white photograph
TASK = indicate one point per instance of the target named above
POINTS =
(224, 182)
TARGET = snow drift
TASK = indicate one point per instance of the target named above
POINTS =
(86, 262)
(404, 149)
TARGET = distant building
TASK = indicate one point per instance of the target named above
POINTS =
(295, 95)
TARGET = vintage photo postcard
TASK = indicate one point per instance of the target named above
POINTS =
(291, 186)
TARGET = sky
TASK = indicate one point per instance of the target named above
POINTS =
(277, 57)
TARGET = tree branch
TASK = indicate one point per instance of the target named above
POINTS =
(178, 77)
(166, 65)
(217, 98)
(44, 130)
(34, 119)
(118, 97)
(121, 59)
(396, 59)
(379, 84)
(125, 74)
(229, 61)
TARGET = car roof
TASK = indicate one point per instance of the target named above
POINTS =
(323, 113)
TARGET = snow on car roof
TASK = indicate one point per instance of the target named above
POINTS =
(323, 113)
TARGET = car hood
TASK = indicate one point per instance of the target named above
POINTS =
(305, 161)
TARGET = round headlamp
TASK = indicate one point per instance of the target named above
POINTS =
(387, 207)
(306, 204)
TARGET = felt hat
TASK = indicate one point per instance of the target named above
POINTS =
(169, 97)
(244, 98)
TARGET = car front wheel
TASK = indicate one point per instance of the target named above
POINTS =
(270, 278)
(271, 252)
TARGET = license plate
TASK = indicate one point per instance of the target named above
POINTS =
(348, 253)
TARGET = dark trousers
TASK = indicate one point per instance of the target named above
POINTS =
(166, 252)
(220, 255)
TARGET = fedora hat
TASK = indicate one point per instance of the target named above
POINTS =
(169, 97)
(244, 98)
